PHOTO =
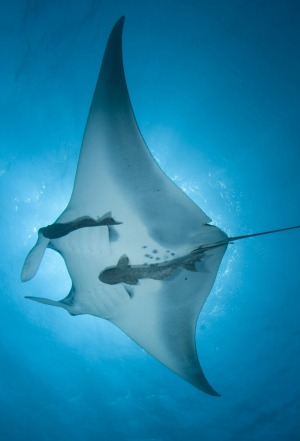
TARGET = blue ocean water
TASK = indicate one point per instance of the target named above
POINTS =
(215, 89)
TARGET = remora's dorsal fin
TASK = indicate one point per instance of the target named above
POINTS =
(123, 262)
(105, 216)
(190, 266)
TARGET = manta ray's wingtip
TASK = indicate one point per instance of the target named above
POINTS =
(214, 393)
(120, 22)
(205, 387)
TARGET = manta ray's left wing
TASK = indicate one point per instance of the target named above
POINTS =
(116, 173)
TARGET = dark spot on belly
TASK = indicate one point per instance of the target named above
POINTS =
(157, 258)
(154, 251)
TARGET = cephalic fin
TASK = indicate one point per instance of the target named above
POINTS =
(60, 303)
(34, 258)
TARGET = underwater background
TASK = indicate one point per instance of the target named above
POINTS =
(215, 90)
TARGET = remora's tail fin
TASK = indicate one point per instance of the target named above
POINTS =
(34, 258)
(260, 234)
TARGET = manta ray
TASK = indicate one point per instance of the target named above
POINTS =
(139, 251)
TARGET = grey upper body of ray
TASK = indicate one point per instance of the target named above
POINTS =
(116, 173)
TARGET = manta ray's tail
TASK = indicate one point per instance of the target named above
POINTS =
(231, 239)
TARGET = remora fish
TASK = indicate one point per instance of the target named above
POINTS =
(58, 230)
(123, 272)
